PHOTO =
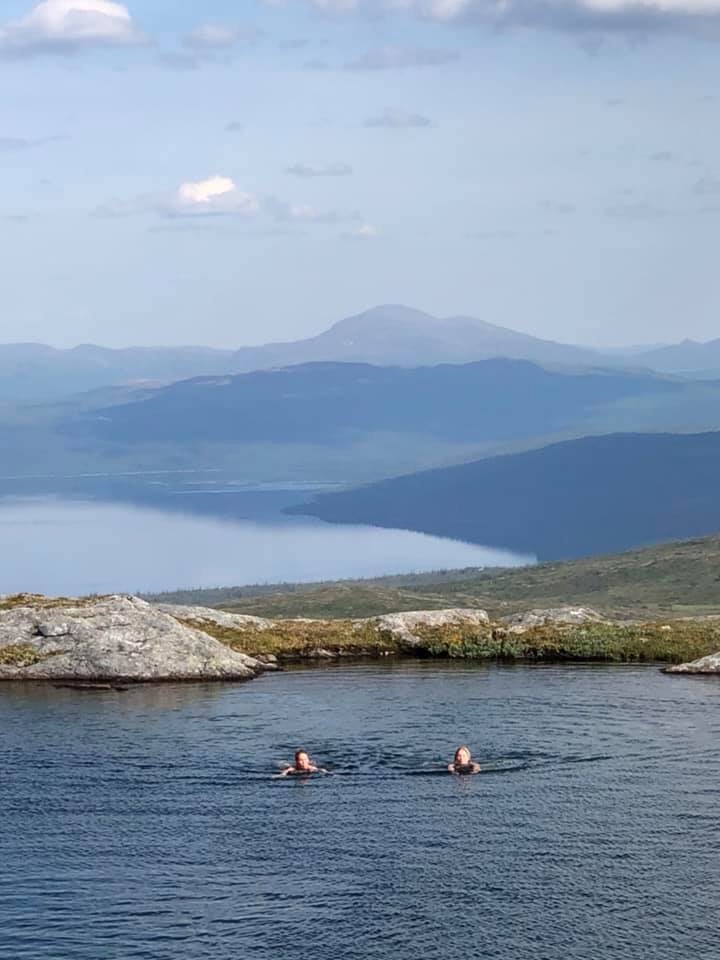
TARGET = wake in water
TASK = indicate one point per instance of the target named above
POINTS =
(395, 764)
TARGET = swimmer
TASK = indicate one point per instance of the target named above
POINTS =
(463, 762)
(302, 766)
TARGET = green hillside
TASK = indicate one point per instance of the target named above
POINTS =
(671, 580)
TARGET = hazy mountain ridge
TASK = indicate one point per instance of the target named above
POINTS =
(384, 336)
(688, 356)
(389, 335)
(330, 403)
(397, 335)
(33, 372)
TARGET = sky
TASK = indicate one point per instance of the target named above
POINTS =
(230, 172)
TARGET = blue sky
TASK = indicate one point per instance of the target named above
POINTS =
(235, 172)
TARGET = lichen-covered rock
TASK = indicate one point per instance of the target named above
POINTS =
(520, 622)
(705, 665)
(220, 618)
(404, 626)
(111, 638)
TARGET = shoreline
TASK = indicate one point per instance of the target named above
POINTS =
(121, 640)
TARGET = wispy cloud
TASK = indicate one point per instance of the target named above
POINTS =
(286, 212)
(398, 58)
(12, 144)
(365, 231)
(707, 187)
(639, 210)
(586, 18)
(398, 120)
(211, 43)
(562, 207)
(329, 170)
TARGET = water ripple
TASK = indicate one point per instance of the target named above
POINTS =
(151, 826)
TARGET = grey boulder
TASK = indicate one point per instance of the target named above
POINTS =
(110, 638)
(404, 626)
(706, 665)
(520, 622)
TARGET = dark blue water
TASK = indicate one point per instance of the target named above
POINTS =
(146, 824)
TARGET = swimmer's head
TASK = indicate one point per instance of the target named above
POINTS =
(302, 760)
(463, 756)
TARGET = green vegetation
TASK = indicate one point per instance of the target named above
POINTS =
(648, 642)
(38, 600)
(19, 655)
(675, 642)
(292, 639)
(673, 580)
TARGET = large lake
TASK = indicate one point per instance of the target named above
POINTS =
(147, 826)
(62, 545)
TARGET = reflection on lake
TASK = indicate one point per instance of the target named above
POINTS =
(60, 546)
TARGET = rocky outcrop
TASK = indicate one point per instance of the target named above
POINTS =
(219, 618)
(705, 665)
(119, 639)
(110, 638)
(404, 626)
(572, 616)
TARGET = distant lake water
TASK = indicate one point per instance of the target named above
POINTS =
(146, 825)
(60, 545)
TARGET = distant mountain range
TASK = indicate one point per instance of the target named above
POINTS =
(581, 497)
(396, 335)
(390, 335)
(690, 356)
(33, 372)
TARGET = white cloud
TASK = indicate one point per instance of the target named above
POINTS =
(218, 196)
(215, 196)
(66, 26)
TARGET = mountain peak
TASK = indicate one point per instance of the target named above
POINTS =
(384, 315)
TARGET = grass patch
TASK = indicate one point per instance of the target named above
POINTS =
(298, 638)
(678, 642)
(670, 580)
(20, 655)
(46, 603)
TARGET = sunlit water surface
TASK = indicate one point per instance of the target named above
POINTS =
(60, 546)
(147, 825)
